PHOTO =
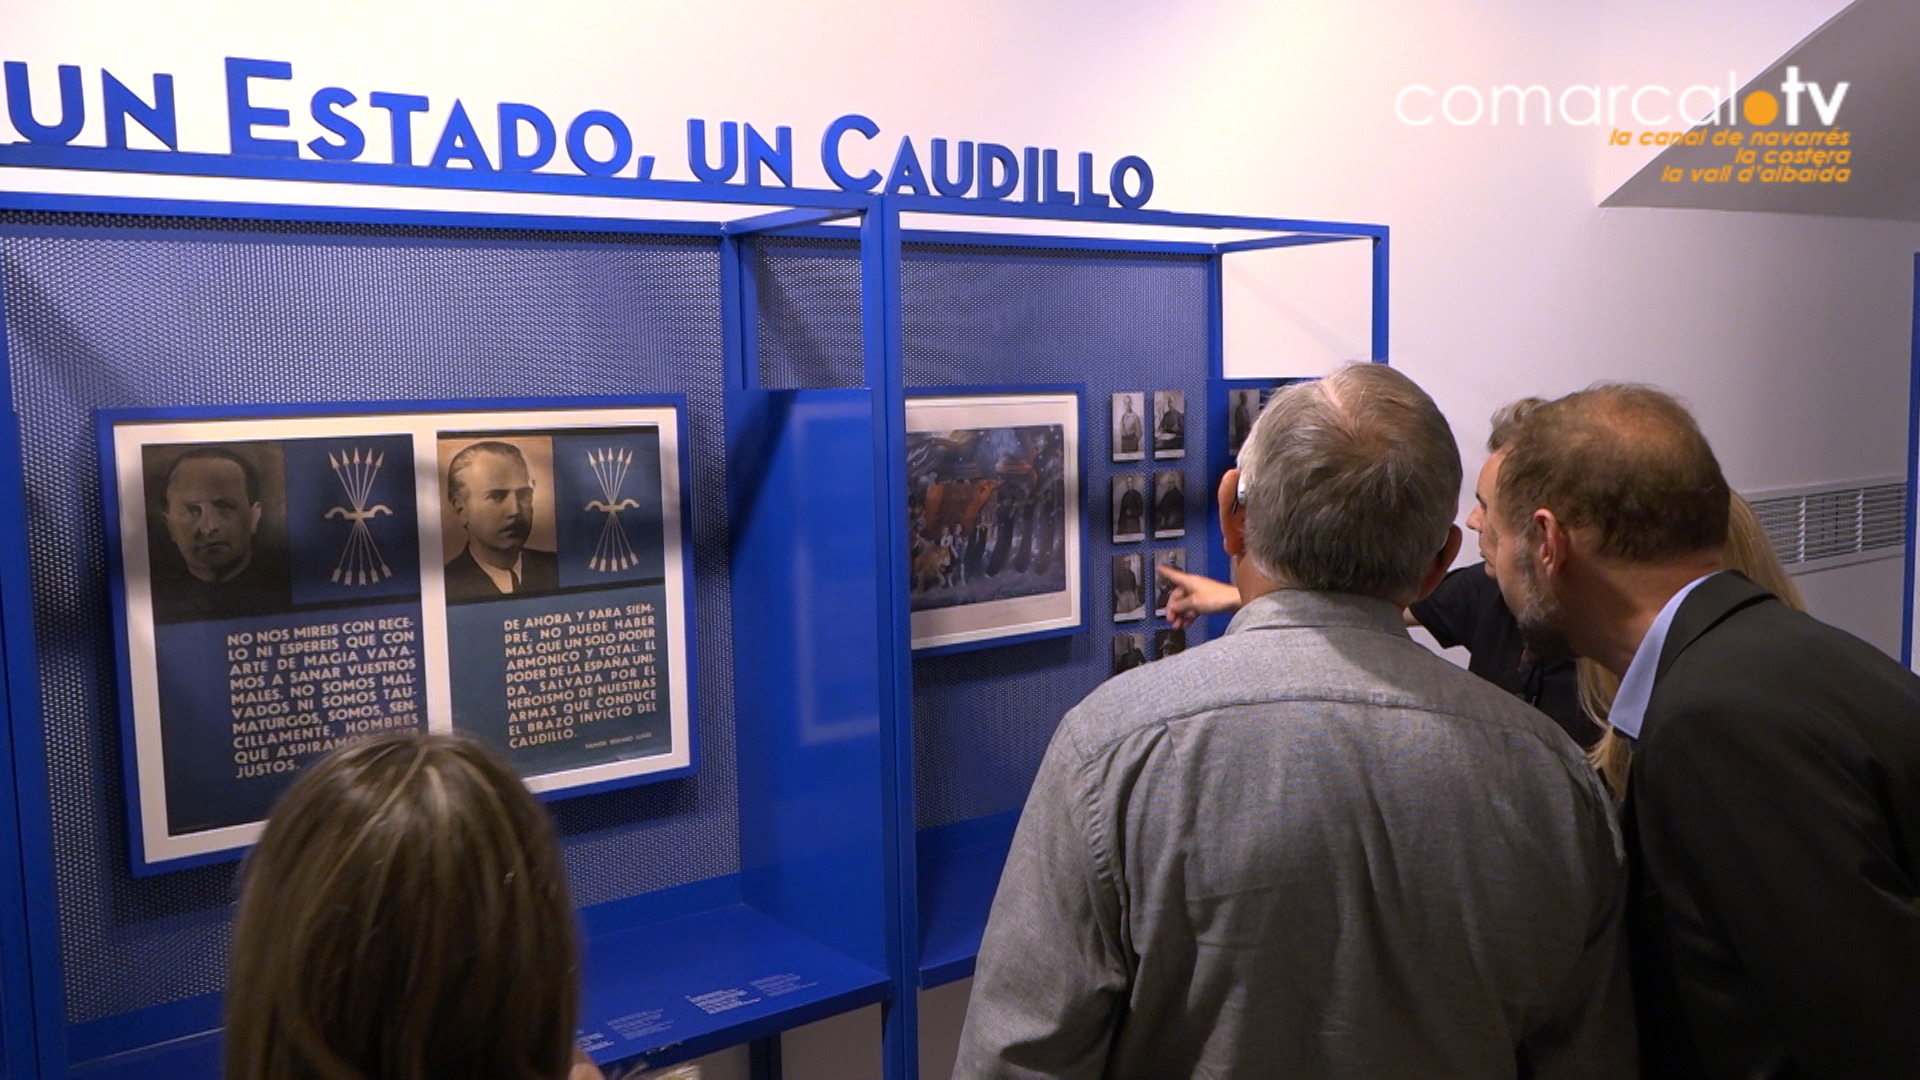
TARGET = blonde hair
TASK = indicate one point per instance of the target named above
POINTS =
(405, 917)
(1747, 550)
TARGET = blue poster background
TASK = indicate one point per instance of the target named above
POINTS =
(200, 695)
(329, 564)
(478, 661)
(598, 472)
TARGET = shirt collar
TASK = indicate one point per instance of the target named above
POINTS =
(1629, 709)
(502, 579)
(1301, 607)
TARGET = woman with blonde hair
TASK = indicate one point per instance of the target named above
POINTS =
(405, 917)
(1747, 550)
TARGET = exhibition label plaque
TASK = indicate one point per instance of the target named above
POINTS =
(288, 583)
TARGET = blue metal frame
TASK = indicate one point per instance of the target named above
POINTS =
(1290, 232)
(106, 420)
(1913, 478)
(797, 213)
(176, 1035)
(1079, 392)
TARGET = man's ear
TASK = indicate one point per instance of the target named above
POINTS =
(1233, 516)
(1556, 543)
(1442, 563)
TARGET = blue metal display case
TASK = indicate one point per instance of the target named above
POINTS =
(841, 840)
(1032, 305)
(717, 909)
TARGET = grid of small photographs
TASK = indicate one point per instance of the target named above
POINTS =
(1150, 505)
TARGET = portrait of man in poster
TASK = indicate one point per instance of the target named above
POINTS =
(491, 491)
(220, 551)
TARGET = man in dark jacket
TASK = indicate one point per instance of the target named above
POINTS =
(1774, 799)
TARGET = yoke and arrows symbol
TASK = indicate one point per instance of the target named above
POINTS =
(360, 561)
(613, 551)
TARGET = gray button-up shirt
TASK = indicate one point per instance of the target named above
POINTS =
(1308, 849)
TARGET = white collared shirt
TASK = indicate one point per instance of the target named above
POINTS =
(1636, 686)
(504, 580)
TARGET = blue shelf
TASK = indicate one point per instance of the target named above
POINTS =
(960, 868)
(674, 990)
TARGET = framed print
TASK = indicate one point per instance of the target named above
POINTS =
(1169, 505)
(1163, 586)
(1129, 509)
(1129, 652)
(993, 516)
(1169, 423)
(1129, 588)
(1243, 407)
(287, 582)
(1129, 426)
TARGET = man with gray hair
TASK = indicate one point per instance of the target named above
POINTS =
(1311, 847)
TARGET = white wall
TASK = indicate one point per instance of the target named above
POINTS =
(1790, 336)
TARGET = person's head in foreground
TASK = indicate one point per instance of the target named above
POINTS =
(404, 917)
(1602, 494)
(1346, 484)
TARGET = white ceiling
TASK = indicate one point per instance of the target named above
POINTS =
(1874, 47)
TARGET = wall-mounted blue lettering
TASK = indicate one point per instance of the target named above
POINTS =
(73, 108)
(957, 186)
(459, 142)
(985, 171)
(545, 139)
(121, 104)
(830, 152)
(577, 143)
(326, 108)
(525, 139)
(243, 116)
(729, 151)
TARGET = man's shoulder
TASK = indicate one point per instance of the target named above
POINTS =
(1768, 667)
(1769, 644)
(1310, 676)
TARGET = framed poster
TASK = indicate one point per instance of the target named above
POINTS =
(288, 580)
(993, 516)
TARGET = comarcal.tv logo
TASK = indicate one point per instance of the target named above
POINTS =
(1788, 137)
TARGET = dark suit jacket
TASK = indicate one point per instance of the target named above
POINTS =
(465, 581)
(1773, 823)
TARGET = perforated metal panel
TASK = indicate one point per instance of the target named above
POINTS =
(809, 332)
(117, 312)
(1115, 322)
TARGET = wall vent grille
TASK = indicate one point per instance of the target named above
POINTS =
(1818, 528)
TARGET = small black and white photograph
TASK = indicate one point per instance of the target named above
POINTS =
(1243, 408)
(1129, 589)
(1169, 505)
(1130, 426)
(1169, 423)
(1163, 585)
(1129, 509)
(1129, 652)
(1168, 642)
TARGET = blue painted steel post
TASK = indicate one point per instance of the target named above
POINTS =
(1913, 464)
(1380, 297)
(886, 379)
(48, 997)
